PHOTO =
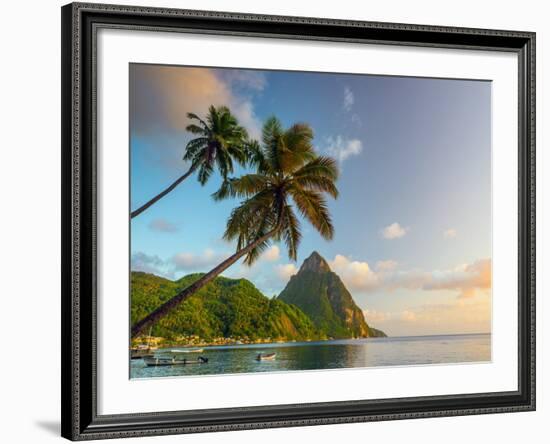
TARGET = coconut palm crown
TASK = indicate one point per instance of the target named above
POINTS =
(220, 141)
(289, 176)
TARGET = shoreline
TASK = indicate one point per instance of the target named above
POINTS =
(161, 343)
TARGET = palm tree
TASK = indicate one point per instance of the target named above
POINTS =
(220, 140)
(287, 170)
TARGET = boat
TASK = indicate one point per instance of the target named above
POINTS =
(143, 350)
(158, 361)
(266, 356)
(187, 350)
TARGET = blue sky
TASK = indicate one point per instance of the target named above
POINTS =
(412, 222)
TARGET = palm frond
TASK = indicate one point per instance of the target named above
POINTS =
(263, 224)
(205, 171)
(224, 163)
(195, 129)
(299, 136)
(313, 207)
(195, 117)
(272, 134)
(243, 187)
(194, 148)
(291, 232)
(247, 215)
(296, 147)
(322, 166)
(256, 157)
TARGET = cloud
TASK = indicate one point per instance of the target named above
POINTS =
(465, 280)
(408, 315)
(161, 96)
(376, 317)
(356, 275)
(286, 271)
(341, 148)
(147, 263)
(349, 99)
(197, 262)
(265, 273)
(163, 226)
(272, 254)
(450, 233)
(458, 316)
(387, 265)
(394, 231)
(246, 79)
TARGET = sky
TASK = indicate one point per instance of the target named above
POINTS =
(413, 219)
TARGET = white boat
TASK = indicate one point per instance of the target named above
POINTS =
(266, 356)
(187, 350)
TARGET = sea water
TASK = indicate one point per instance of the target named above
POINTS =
(334, 354)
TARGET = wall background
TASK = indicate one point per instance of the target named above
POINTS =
(30, 219)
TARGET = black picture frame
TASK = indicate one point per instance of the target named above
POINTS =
(80, 420)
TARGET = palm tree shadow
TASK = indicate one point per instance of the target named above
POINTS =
(53, 427)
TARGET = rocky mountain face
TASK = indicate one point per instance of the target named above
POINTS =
(321, 294)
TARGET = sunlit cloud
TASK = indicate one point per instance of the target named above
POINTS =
(386, 265)
(272, 254)
(450, 233)
(356, 275)
(256, 271)
(456, 316)
(468, 279)
(376, 317)
(464, 280)
(163, 95)
(286, 271)
(394, 231)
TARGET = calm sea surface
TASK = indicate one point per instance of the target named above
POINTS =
(346, 353)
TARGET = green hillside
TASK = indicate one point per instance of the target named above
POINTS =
(224, 308)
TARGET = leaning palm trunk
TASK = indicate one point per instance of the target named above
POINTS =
(162, 193)
(165, 308)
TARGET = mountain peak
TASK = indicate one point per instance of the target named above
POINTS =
(315, 262)
(322, 295)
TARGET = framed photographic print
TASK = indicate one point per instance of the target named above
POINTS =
(281, 221)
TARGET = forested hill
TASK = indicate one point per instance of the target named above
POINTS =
(230, 308)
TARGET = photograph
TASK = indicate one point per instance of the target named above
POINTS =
(292, 220)
(296, 221)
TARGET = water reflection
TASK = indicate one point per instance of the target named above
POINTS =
(330, 355)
